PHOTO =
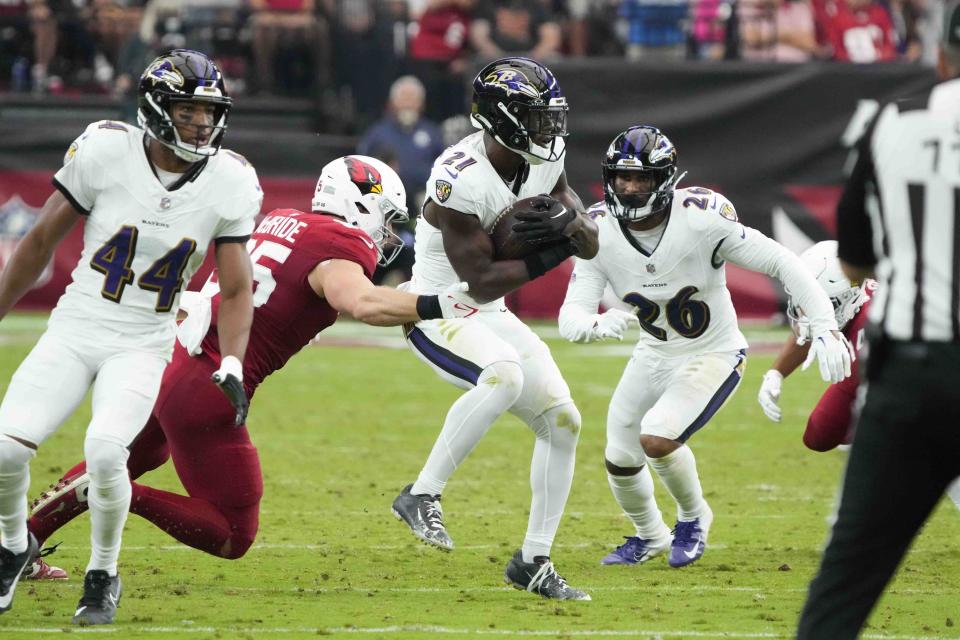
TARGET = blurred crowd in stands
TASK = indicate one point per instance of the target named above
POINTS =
(348, 52)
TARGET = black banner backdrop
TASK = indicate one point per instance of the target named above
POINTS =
(767, 136)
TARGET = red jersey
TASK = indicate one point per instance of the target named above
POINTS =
(287, 314)
(862, 35)
(855, 333)
(441, 34)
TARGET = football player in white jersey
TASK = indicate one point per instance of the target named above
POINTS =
(662, 250)
(498, 360)
(152, 201)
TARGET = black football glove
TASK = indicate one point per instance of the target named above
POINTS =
(229, 377)
(544, 222)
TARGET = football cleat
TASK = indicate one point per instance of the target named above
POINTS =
(635, 551)
(690, 539)
(101, 597)
(39, 569)
(11, 568)
(424, 516)
(68, 493)
(540, 577)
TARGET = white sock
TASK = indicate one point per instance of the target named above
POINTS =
(634, 494)
(109, 501)
(551, 474)
(498, 387)
(14, 483)
(953, 490)
(678, 472)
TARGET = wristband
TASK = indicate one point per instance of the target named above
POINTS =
(428, 307)
(539, 263)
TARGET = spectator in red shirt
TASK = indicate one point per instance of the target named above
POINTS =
(439, 54)
(857, 30)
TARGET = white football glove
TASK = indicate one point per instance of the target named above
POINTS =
(456, 303)
(834, 354)
(769, 396)
(612, 324)
(194, 327)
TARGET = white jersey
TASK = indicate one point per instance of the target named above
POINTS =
(463, 179)
(680, 288)
(142, 242)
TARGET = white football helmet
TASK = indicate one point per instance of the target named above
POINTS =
(367, 194)
(821, 260)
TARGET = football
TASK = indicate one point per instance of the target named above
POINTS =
(506, 244)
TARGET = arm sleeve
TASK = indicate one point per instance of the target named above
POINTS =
(752, 250)
(578, 315)
(241, 212)
(854, 230)
(455, 189)
(77, 178)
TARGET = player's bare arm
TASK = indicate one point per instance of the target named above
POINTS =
(855, 273)
(582, 231)
(470, 252)
(791, 356)
(343, 284)
(36, 249)
(236, 298)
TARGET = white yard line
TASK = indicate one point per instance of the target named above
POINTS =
(649, 633)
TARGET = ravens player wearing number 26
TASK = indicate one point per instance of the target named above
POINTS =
(662, 250)
(500, 363)
(152, 200)
(307, 266)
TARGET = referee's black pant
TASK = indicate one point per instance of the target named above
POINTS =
(905, 452)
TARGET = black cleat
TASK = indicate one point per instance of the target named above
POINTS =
(540, 577)
(424, 516)
(101, 596)
(11, 568)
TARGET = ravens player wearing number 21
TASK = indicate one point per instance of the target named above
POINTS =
(662, 249)
(499, 362)
(152, 201)
(307, 266)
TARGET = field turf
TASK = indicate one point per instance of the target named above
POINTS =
(347, 423)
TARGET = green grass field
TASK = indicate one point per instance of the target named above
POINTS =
(343, 427)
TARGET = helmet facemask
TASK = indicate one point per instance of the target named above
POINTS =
(633, 207)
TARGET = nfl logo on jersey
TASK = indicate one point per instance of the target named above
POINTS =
(16, 218)
(651, 268)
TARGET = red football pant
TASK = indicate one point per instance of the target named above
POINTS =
(192, 423)
(831, 422)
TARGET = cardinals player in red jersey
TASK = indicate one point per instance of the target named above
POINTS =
(856, 30)
(830, 422)
(307, 267)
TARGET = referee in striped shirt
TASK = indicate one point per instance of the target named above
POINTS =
(900, 218)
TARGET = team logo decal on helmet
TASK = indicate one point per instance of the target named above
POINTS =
(664, 149)
(162, 70)
(444, 189)
(511, 81)
(365, 176)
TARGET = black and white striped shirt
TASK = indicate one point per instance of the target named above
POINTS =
(900, 213)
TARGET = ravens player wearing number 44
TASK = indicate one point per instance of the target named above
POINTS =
(662, 249)
(152, 199)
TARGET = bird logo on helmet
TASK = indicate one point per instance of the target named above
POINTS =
(519, 103)
(183, 75)
(366, 177)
